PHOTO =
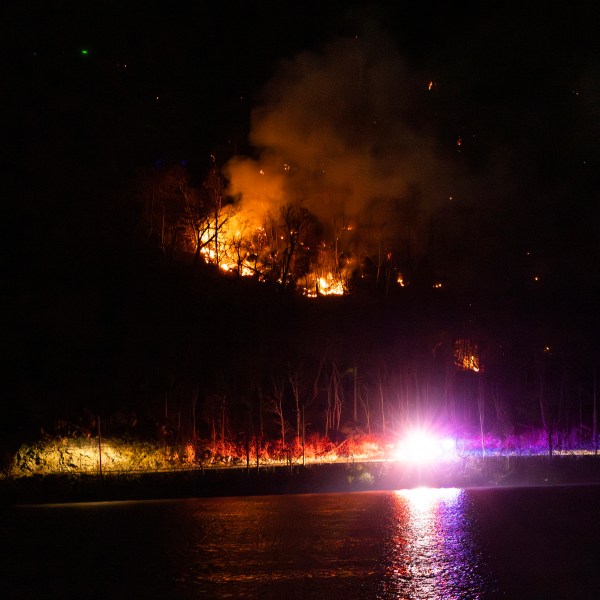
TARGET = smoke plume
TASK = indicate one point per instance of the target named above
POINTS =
(341, 131)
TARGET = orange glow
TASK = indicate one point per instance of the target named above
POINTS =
(466, 356)
(323, 285)
(329, 286)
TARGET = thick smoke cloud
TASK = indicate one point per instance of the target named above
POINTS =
(341, 130)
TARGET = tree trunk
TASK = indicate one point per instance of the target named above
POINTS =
(381, 397)
(355, 414)
(294, 382)
(481, 407)
(595, 418)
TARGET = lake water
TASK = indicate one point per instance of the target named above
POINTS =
(530, 543)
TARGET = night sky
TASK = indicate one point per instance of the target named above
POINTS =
(492, 113)
(97, 90)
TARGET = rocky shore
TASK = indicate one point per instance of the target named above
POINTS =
(298, 479)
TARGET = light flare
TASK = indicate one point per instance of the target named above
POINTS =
(419, 446)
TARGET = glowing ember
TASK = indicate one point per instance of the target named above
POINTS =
(466, 356)
(329, 286)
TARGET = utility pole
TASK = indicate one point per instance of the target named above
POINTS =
(99, 447)
(595, 419)
(355, 394)
(303, 453)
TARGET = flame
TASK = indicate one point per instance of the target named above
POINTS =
(324, 285)
(329, 286)
(470, 363)
(466, 356)
(248, 261)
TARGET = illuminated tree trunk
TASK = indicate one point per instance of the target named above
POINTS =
(355, 413)
(388, 273)
(213, 424)
(334, 401)
(595, 418)
(366, 407)
(198, 247)
(99, 447)
(546, 417)
(382, 399)
(214, 185)
(260, 404)
(379, 264)
(217, 213)
(223, 415)
(315, 386)
(295, 384)
(278, 406)
(294, 218)
(247, 451)
(449, 403)
(303, 438)
(329, 420)
(162, 232)
(194, 402)
(338, 398)
(481, 407)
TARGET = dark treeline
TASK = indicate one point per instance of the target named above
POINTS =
(103, 325)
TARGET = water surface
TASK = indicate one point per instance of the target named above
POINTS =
(447, 544)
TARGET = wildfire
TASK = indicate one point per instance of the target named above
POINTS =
(324, 285)
(253, 229)
(466, 356)
(329, 286)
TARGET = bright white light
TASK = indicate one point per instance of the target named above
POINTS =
(418, 446)
(424, 499)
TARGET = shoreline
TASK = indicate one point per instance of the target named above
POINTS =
(494, 471)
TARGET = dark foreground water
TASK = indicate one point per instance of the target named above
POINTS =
(530, 543)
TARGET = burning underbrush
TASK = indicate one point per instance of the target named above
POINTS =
(112, 455)
(56, 455)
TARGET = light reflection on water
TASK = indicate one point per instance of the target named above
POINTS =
(421, 544)
(417, 544)
(305, 546)
(432, 551)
